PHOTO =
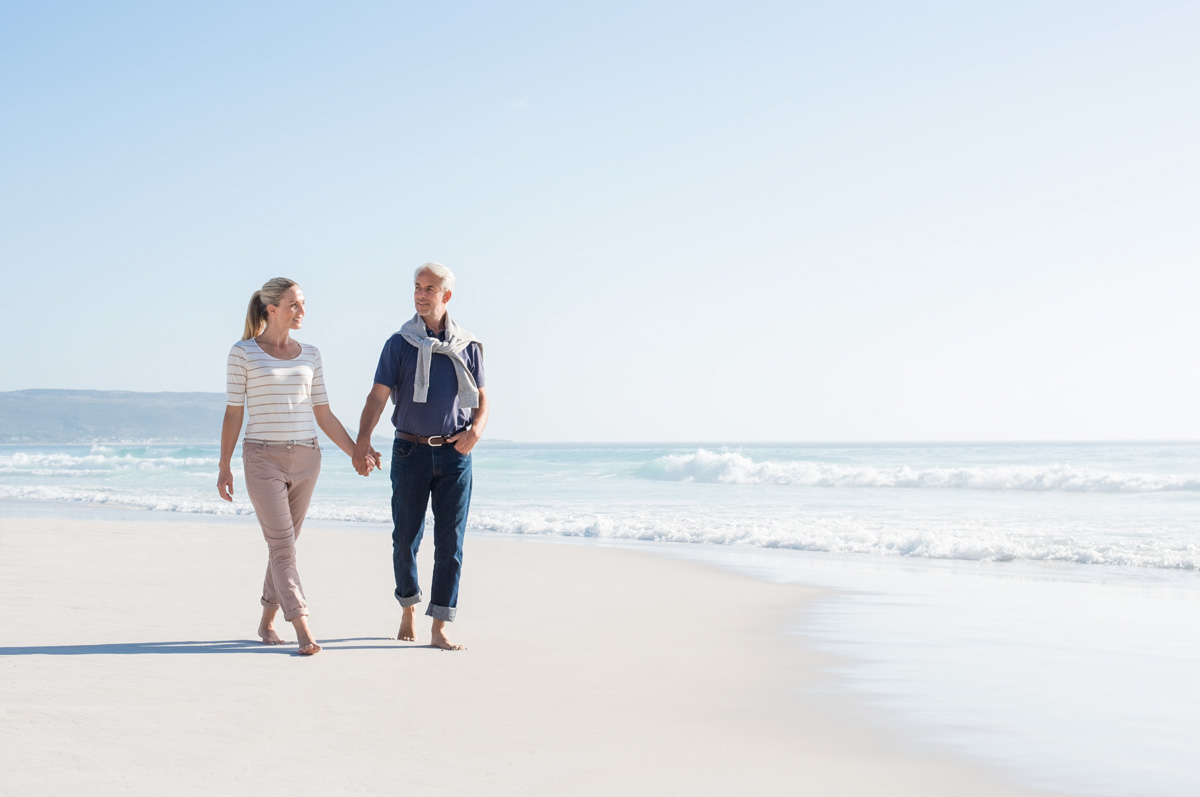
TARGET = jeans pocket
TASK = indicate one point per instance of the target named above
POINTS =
(402, 448)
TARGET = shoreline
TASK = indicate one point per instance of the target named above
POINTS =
(589, 670)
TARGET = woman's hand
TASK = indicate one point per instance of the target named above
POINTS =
(225, 483)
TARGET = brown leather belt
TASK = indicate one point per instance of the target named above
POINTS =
(435, 441)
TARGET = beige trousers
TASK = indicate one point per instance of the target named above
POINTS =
(280, 478)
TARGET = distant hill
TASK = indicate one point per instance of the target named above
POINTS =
(88, 416)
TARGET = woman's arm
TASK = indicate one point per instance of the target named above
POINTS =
(230, 428)
(331, 426)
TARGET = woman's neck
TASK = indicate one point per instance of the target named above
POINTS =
(275, 337)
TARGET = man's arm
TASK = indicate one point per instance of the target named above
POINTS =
(465, 440)
(377, 401)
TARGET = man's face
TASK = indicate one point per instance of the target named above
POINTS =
(428, 295)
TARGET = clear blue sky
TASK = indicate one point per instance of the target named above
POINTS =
(670, 221)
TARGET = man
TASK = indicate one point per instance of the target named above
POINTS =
(433, 370)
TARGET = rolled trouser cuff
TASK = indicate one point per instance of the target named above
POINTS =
(411, 600)
(287, 615)
(444, 613)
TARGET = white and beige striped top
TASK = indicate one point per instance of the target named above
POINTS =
(278, 394)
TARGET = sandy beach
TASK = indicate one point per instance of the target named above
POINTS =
(129, 665)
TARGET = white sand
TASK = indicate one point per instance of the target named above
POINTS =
(128, 665)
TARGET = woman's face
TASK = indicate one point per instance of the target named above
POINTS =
(289, 313)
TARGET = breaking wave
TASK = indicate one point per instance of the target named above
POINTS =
(733, 468)
(101, 460)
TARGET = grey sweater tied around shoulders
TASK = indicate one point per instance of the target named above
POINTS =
(457, 339)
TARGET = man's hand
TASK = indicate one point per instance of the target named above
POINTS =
(365, 458)
(465, 440)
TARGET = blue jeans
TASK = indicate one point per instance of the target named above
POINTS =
(419, 473)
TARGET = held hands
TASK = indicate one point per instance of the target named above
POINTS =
(366, 459)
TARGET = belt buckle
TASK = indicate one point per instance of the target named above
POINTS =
(441, 440)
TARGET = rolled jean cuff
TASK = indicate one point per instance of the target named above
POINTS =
(266, 602)
(412, 600)
(293, 614)
(444, 613)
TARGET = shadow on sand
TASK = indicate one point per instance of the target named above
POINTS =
(193, 646)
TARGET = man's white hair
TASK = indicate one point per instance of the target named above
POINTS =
(441, 272)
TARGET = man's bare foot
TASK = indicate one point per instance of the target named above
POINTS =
(438, 638)
(311, 649)
(408, 631)
(266, 627)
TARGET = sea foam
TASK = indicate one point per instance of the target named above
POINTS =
(988, 503)
(924, 539)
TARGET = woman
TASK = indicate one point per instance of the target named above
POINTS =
(280, 381)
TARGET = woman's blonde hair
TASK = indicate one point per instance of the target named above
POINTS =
(256, 314)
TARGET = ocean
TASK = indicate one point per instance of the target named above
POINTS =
(1033, 607)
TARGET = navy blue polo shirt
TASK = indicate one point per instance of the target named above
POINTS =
(440, 414)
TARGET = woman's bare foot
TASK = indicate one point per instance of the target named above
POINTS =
(440, 640)
(308, 643)
(269, 637)
(408, 631)
(266, 628)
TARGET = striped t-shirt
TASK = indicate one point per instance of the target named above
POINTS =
(278, 394)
